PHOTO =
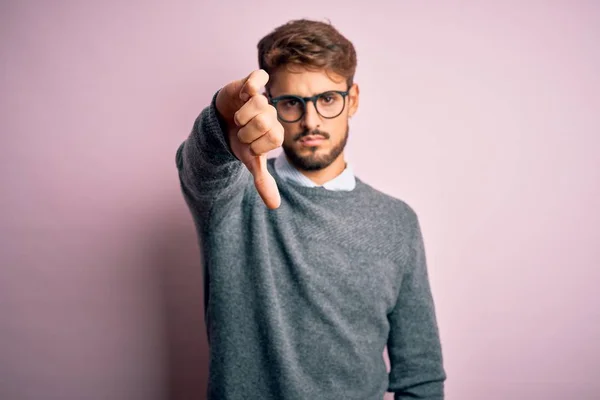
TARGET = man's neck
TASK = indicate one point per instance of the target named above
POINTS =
(326, 174)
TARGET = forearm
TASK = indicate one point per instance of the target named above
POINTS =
(414, 347)
(417, 369)
(415, 351)
(208, 170)
(425, 391)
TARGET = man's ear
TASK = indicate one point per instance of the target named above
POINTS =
(353, 96)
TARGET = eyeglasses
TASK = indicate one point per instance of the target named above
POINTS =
(291, 108)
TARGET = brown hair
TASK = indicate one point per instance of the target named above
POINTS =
(312, 44)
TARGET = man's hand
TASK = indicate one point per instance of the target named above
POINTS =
(253, 130)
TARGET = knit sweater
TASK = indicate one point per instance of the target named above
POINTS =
(300, 301)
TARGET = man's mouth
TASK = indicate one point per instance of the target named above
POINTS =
(312, 140)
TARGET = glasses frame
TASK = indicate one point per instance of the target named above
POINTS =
(304, 100)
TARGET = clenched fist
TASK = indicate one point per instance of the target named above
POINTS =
(253, 130)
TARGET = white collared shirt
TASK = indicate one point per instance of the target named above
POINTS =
(344, 181)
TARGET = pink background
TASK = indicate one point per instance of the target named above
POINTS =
(484, 116)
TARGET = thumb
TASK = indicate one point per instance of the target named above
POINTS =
(265, 183)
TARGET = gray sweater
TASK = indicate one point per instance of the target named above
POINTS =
(301, 301)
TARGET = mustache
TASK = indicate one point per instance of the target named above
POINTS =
(308, 132)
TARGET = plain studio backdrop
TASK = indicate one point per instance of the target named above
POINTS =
(484, 116)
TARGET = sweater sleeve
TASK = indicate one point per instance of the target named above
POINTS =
(209, 172)
(414, 347)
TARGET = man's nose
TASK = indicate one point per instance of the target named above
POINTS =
(311, 119)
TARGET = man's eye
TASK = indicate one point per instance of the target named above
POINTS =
(290, 103)
(329, 98)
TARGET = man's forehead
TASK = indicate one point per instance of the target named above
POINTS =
(303, 82)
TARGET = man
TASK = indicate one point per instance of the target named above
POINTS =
(308, 272)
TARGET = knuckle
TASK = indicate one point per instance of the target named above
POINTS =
(278, 131)
(272, 110)
(261, 123)
(280, 137)
(275, 140)
(255, 148)
(272, 138)
(261, 101)
(251, 87)
(241, 135)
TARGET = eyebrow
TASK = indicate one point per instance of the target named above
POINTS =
(297, 95)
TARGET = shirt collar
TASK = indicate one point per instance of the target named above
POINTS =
(345, 181)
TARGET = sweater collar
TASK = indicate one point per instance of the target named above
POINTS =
(345, 181)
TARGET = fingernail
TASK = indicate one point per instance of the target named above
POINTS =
(244, 96)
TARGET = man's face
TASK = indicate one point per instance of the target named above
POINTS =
(314, 142)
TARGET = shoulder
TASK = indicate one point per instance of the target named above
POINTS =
(396, 208)
(397, 221)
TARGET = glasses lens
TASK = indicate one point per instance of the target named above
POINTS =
(290, 109)
(330, 104)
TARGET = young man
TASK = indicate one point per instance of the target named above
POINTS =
(308, 271)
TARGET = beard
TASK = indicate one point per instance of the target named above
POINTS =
(314, 161)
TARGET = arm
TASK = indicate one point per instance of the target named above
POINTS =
(208, 170)
(228, 145)
(414, 347)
